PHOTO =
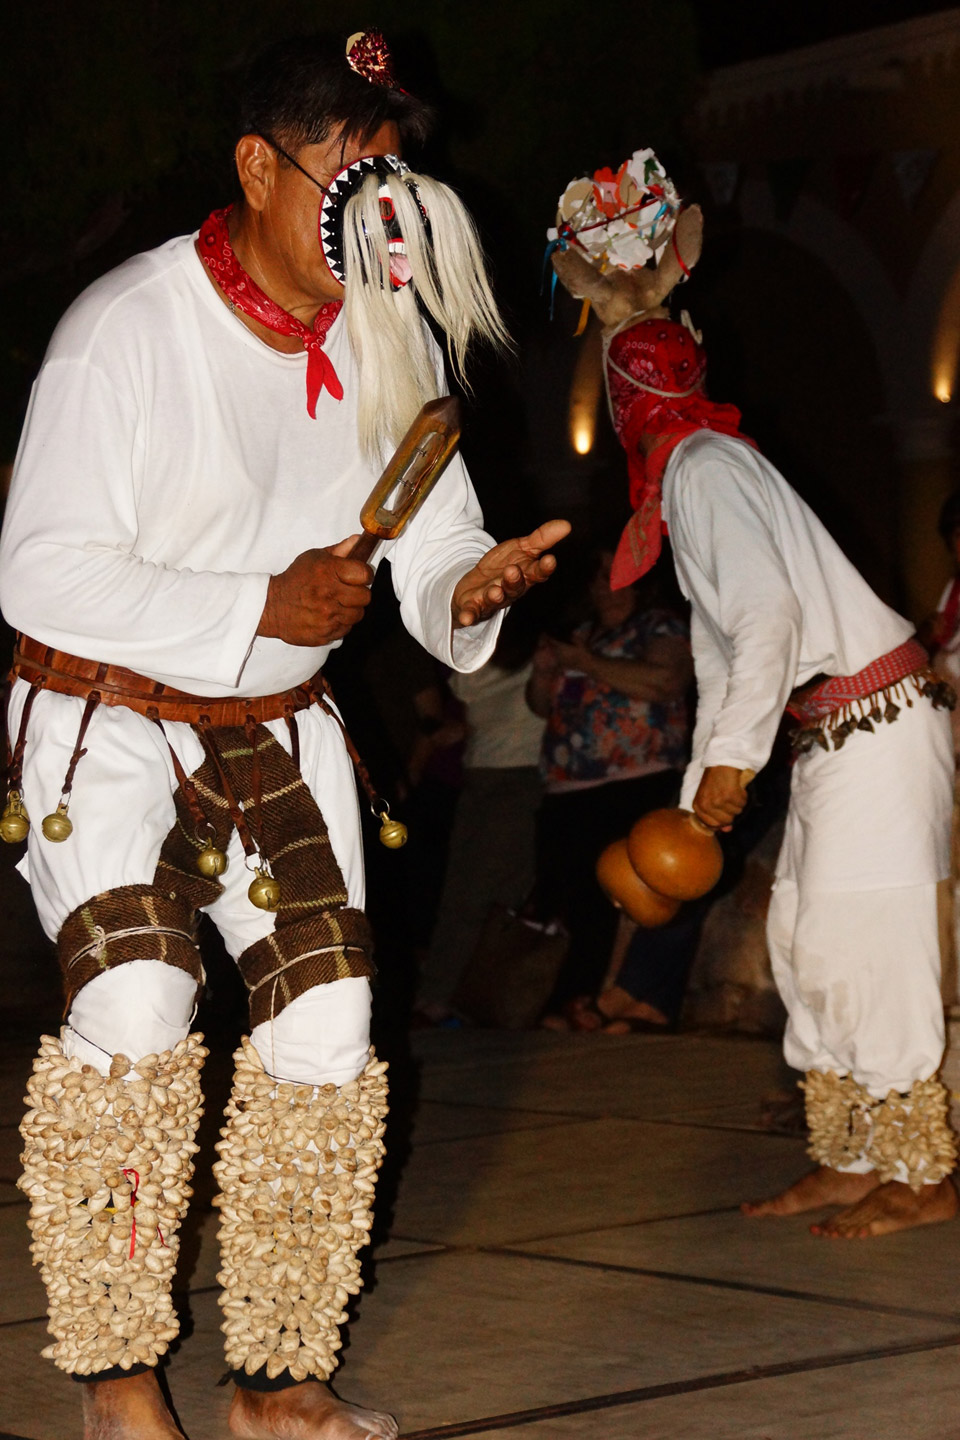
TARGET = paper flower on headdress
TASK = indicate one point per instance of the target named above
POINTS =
(367, 54)
(620, 218)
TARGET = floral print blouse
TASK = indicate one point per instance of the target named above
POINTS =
(595, 733)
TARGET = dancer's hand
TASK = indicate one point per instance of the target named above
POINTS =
(720, 796)
(505, 573)
(318, 598)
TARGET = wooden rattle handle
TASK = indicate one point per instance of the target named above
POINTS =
(363, 548)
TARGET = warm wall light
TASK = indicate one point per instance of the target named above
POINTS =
(585, 391)
(582, 431)
(946, 343)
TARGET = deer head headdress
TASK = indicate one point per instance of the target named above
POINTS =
(622, 240)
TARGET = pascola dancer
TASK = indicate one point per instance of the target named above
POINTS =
(207, 423)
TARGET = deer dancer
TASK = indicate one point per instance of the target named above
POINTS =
(781, 619)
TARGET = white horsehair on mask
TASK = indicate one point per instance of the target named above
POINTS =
(398, 369)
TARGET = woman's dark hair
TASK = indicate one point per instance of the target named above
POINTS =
(949, 516)
(301, 91)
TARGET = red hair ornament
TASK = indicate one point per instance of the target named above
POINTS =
(368, 56)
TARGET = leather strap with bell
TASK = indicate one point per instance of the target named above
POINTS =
(43, 667)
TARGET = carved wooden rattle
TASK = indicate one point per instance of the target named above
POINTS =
(410, 474)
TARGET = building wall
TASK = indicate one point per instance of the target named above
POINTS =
(843, 160)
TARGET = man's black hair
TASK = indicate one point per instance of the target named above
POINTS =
(949, 516)
(302, 91)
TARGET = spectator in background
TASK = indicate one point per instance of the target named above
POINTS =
(492, 845)
(427, 727)
(941, 633)
(616, 741)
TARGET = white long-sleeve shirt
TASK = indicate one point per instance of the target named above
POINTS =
(168, 467)
(775, 601)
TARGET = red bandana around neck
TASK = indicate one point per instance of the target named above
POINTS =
(655, 374)
(245, 294)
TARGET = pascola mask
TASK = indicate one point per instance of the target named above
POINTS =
(344, 185)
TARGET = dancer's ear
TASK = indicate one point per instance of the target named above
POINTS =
(256, 163)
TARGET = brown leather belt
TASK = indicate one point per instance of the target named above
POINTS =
(49, 669)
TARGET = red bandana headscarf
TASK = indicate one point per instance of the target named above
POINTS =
(245, 294)
(655, 374)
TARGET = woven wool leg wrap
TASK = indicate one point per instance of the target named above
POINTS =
(107, 1164)
(904, 1137)
(296, 1175)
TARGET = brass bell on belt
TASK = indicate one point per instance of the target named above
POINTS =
(264, 891)
(14, 822)
(393, 833)
(58, 826)
(211, 862)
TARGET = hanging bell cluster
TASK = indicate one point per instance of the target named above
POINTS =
(864, 713)
(393, 833)
(14, 822)
(264, 890)
(58, 826)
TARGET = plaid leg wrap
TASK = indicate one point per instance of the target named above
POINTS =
(317, 938)
(132, 922)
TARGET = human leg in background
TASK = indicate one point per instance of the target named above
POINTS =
(491, 861)
(573, 828)
(653, 977)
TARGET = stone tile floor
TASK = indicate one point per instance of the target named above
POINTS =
(560, 1256)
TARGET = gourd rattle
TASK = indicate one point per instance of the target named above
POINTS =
(673, 855)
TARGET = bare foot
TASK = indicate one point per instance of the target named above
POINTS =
(128, 1409)
(822, 1186)
(891, 1207)
(618, 1005)
(305, 1412)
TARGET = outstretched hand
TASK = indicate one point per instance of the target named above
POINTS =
(505, 573)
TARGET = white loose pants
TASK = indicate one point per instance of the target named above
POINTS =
(852, 928)
(122, 809)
